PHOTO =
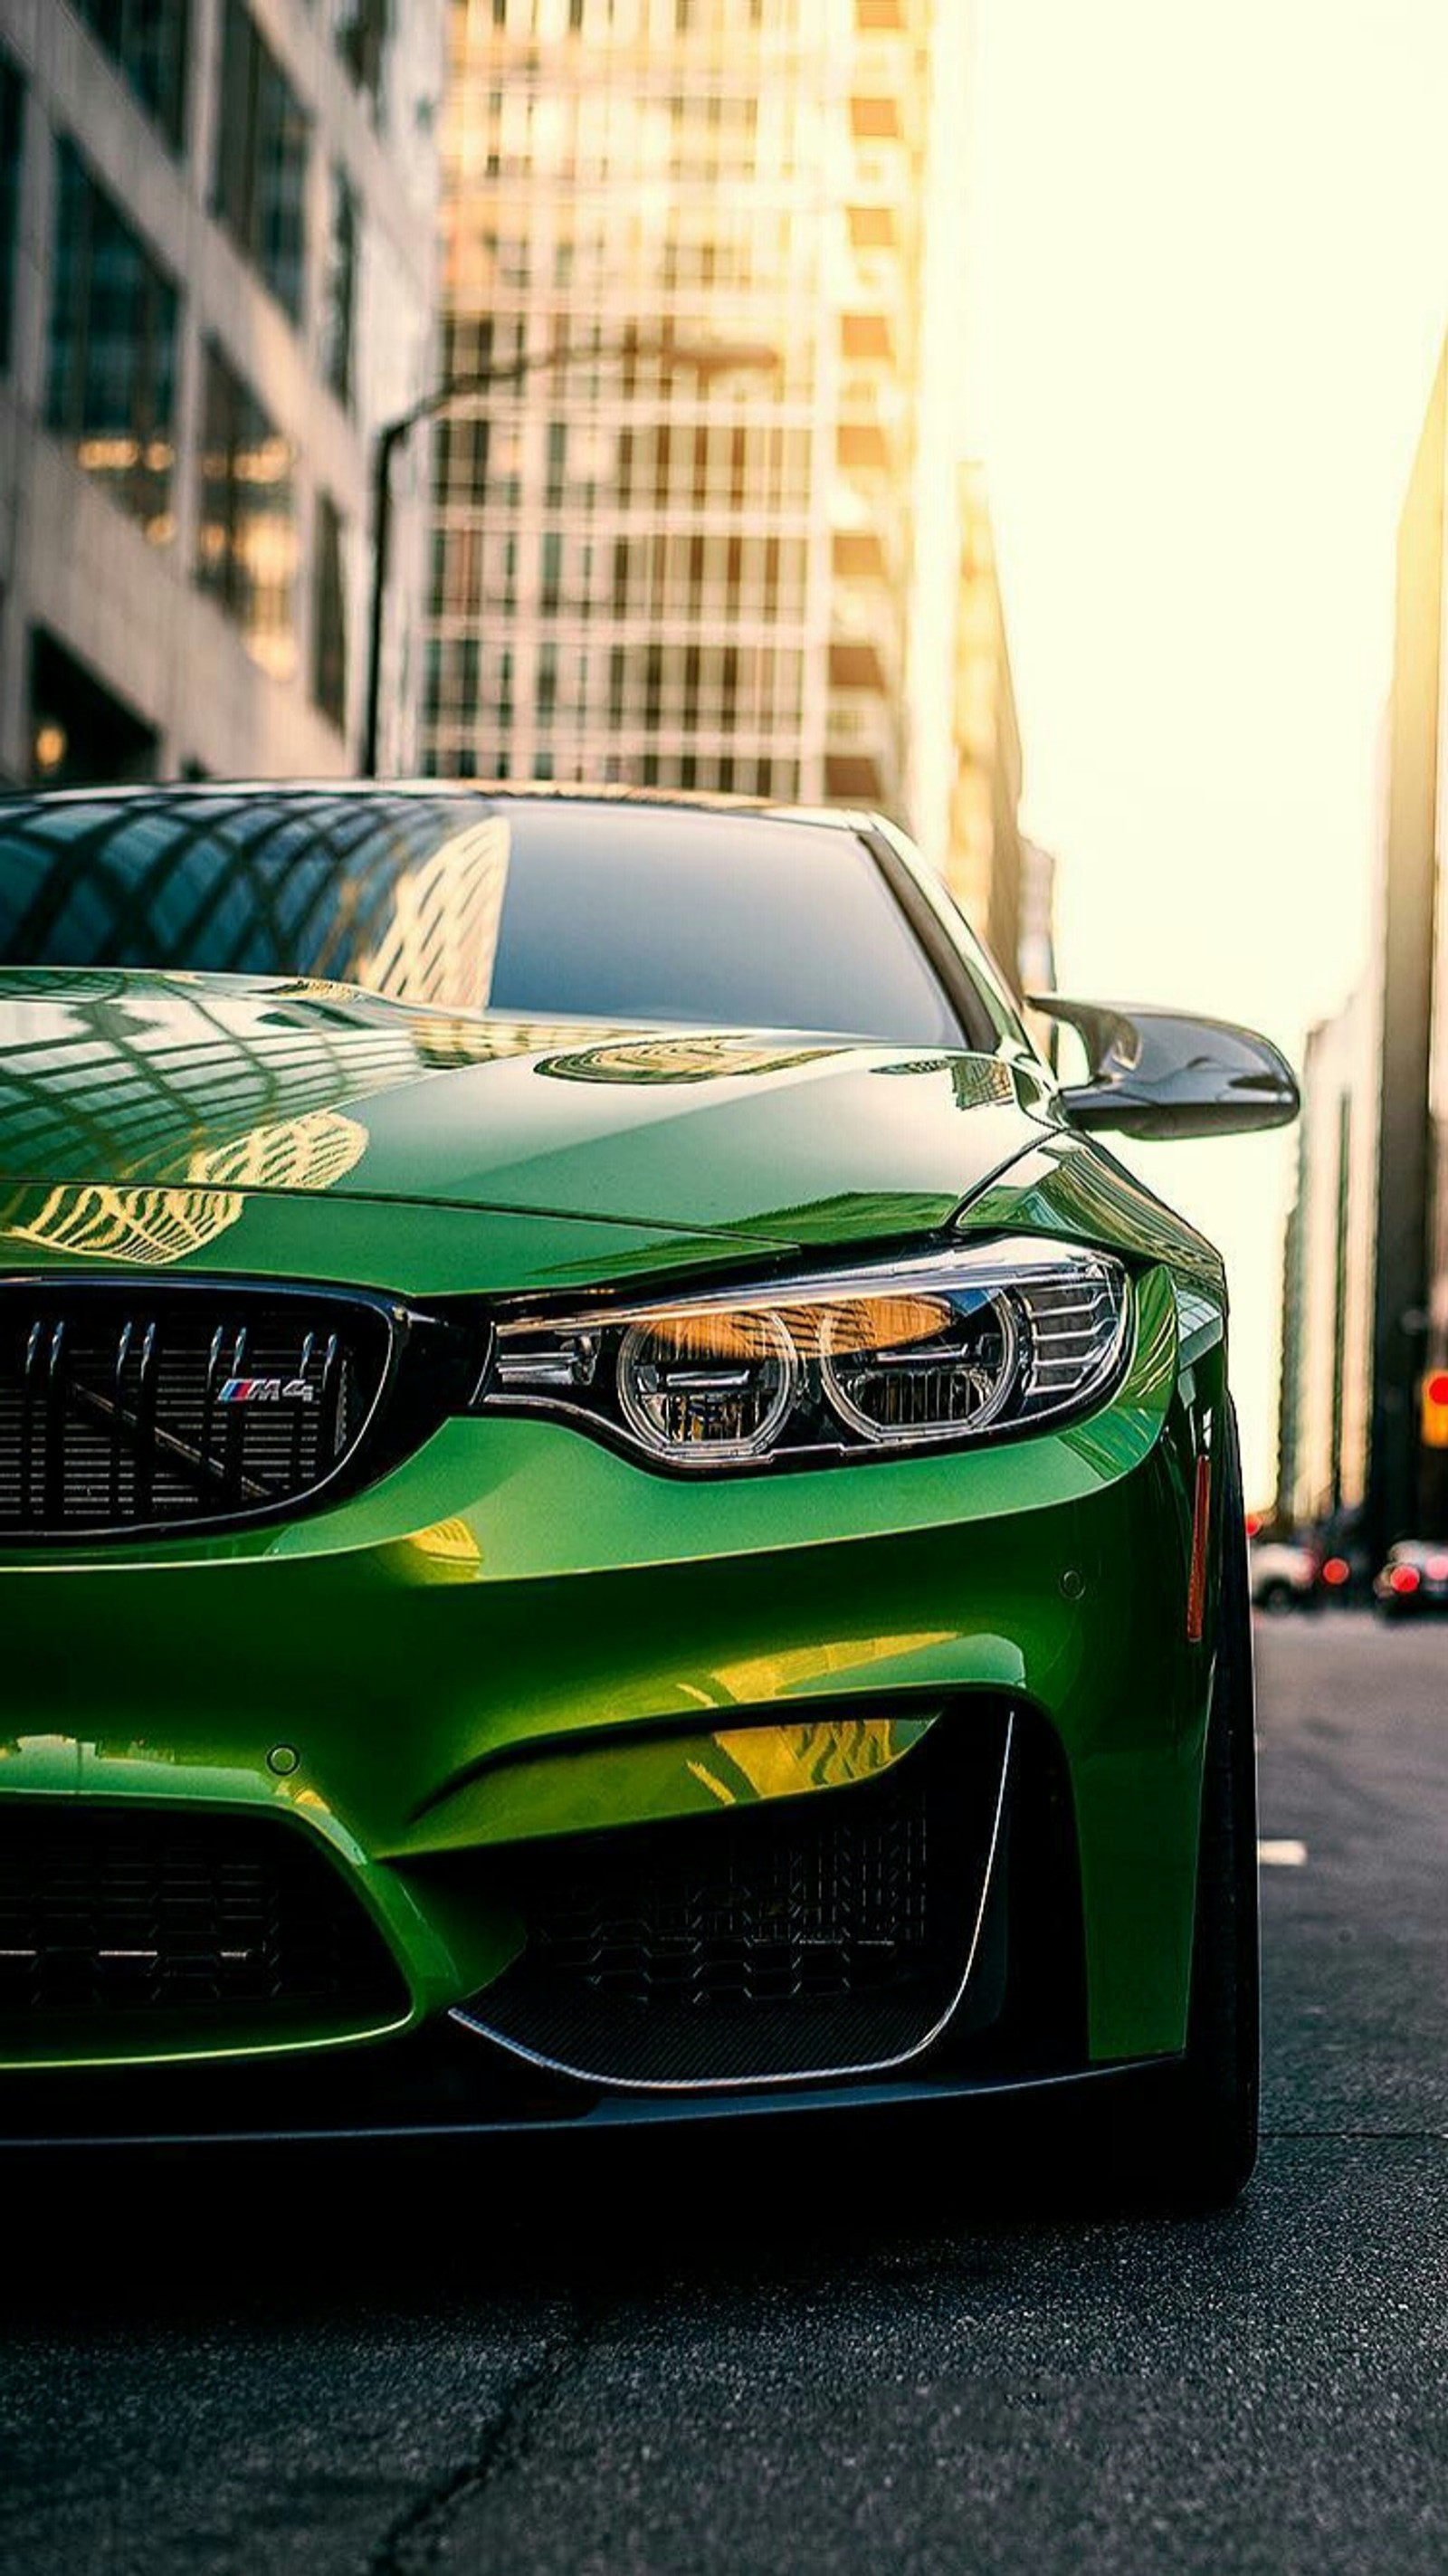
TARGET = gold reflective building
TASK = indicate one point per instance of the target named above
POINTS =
(738, 582)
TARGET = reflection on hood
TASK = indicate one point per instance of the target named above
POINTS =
(212, 1088)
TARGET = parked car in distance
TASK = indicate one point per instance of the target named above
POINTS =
(1414, 1579)
(1284, 1574)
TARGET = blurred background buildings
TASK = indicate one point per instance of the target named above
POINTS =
(771, 580)
(1328, 1272)
(217, 276)
(985, 859)
(1363, 1435)
(240, 237)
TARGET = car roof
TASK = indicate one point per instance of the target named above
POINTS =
(504, 791)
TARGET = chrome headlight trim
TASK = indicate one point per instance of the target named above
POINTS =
(970, 1343)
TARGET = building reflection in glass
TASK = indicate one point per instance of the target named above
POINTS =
(443, 935)
(401, 893)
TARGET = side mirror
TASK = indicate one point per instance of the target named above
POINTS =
(1158, 1073)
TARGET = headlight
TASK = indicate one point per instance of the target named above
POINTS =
(967, 1344)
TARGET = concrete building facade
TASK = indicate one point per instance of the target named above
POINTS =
(217, 278)
(647, 573)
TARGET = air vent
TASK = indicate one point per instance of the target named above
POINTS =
(126, 1409)
(116, 1916)
(825, 1934)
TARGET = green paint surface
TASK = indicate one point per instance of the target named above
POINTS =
(518, 1632)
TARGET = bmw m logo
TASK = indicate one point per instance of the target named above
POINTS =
(266, 1390)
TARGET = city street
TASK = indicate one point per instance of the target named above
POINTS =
(784, 2364)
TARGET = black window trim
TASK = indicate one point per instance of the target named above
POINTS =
(948, 964)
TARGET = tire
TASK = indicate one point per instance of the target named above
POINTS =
(1193, 2143)
(1275, 1598)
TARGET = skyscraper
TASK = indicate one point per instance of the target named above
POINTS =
(217, 276)
(1326, 1381)
(644, 570)
(1408, 1486)
(985, 860)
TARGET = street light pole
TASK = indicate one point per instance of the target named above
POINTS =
(705, 359)
(388, 441)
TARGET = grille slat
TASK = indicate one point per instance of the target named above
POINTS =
(191, 1406)
(221, 1919)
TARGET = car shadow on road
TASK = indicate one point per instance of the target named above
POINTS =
(430, 2227)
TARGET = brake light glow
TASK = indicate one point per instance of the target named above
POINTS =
(1335, 1571)
(1404, 1578)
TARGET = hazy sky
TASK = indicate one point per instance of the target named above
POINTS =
(1211, 278)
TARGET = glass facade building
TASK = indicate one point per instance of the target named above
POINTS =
(645, 571)
(218, 278)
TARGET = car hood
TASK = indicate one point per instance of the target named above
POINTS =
(111, 1079)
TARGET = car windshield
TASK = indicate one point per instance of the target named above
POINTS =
(620, 912)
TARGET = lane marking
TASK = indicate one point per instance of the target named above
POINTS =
(1284, 1854)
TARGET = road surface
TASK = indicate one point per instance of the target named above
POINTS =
(802, 2360)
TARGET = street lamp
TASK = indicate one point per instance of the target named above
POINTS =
(702, 358)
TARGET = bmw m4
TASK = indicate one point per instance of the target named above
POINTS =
(610, 1506)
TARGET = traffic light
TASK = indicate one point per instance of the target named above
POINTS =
(1434, 1409)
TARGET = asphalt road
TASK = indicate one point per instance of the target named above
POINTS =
(806, 2360)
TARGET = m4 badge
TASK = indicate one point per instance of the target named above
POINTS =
(266, 1390)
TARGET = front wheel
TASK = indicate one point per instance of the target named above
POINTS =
(1195, 2141)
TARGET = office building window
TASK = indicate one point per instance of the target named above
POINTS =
(329, 615)
(461, 471)
(149, 43)
(111, 391)
(246, 541)
(363, 27)
(339, 293)
(260, 185)
(12, 134)
(557, 464)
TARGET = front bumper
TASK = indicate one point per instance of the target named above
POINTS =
(518, 1635)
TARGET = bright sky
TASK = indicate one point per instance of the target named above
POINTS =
(1211, 278)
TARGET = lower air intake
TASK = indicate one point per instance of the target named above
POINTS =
(116, 1917)
(826, 1934)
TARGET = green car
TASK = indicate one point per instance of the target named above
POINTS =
(609, 1507)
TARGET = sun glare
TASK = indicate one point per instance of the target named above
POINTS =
(1211, 277)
